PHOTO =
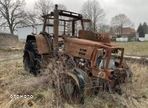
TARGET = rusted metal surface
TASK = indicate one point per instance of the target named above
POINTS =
(42, 45)
(77, 48)
(56, 27)
(83, 34)
(99, 37)
(90, 50)
(104, 37)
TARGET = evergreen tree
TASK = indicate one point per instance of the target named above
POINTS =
(140, 30)
(145, 28)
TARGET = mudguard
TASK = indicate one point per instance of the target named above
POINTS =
(42, 42)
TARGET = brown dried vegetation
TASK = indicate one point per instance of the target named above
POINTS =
(15, 81)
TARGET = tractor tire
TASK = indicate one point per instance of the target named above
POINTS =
(72, 86)
(31, 59)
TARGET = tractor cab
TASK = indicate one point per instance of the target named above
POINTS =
(64, 23)
(61, 24)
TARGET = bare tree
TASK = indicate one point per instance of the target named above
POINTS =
(43, 6)
(31, 18)
(12, 13)
(91, 9)
(119, 21)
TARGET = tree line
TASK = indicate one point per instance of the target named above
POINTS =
(13, 14)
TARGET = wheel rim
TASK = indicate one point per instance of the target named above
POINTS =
(69, 89)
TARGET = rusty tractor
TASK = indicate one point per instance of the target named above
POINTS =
(91, 62)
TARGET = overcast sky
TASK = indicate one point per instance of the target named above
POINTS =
(136, 10)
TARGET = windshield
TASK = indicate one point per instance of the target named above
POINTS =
(110, 66)
(113, 62)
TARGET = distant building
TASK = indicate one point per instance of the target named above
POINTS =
(123, 34)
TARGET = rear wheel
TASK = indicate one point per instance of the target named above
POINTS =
(31, 58)
(27, 62)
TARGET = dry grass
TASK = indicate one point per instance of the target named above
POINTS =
(7, 54)
(135, 95)
(134, 48)
(14, 80)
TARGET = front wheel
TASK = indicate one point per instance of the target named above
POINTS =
(71, 88)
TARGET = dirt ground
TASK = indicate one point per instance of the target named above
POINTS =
(15, 81)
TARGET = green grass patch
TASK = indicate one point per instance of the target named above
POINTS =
(134, 48)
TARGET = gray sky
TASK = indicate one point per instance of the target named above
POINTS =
(136, 10)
